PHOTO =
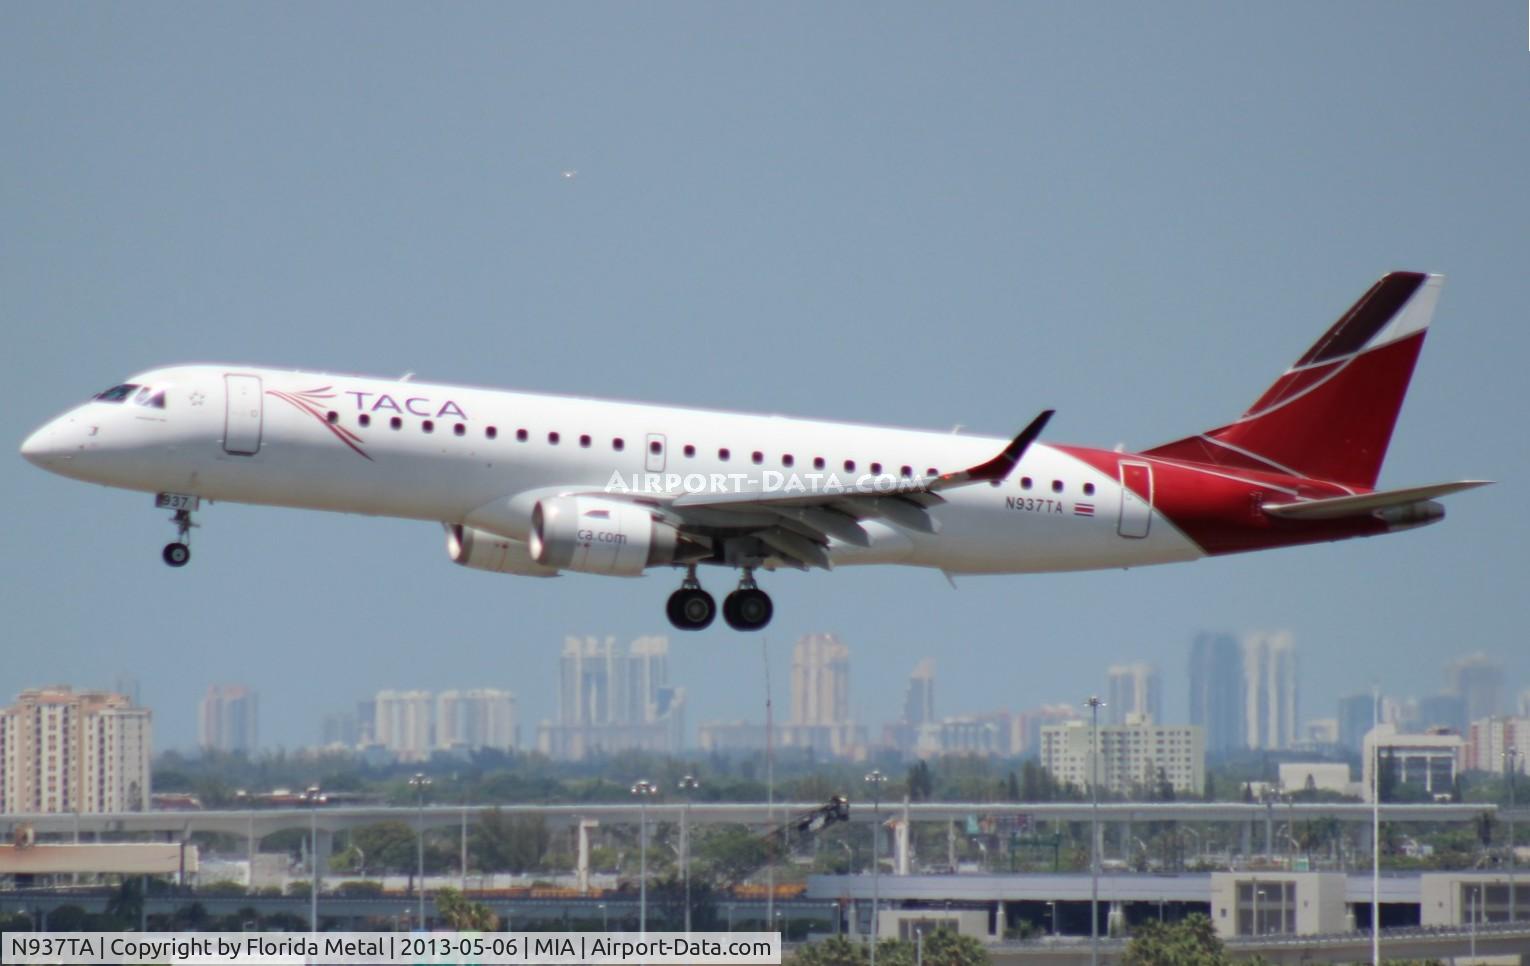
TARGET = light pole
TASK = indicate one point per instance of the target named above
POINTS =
(875, 779)
(688, 785)
(644, 790)
(419, 782)
(1375, 756)
(1095, 704)
(313, 857)
(1510, 755)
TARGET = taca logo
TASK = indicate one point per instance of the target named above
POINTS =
(414, 405)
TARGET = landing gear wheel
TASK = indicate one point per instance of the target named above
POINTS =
(691, 609)
(748, 609)
(178, 554)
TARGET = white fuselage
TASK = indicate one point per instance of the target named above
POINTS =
(482, 458)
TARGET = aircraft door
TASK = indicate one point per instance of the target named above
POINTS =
(653, 454)
(242, 415)
(1136, 499)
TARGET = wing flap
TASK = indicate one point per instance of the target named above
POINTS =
(1363, 504)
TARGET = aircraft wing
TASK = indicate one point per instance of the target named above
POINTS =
(1334, 508)
(797, 522)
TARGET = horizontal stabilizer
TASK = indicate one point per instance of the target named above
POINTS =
(1337, 507)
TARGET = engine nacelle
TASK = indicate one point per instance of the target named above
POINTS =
(482, 550)
(599, 536)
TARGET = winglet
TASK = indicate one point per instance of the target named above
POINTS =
(1000, 466)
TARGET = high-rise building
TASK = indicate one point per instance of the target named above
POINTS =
(614, 697)
(1134, 690)
(1494, 744)
(1358, 714)
(228, 719)
(339, 730)
(919, 697)
(1441, 711)
(401, 723)
(820, 681)
(1134, 758)
(477, 718)
(1478, 681)
(63, 751)
(1270, 701)
(918, 710)
(820, 716)
(1216, 690)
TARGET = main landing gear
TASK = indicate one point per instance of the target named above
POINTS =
(690, 608)
(178, 554)
(746, 609)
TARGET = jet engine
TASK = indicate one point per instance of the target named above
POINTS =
(599, 536)
(482, 550)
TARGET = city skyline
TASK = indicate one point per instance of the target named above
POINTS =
(357, 725)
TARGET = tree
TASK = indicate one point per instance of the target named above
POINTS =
(1190, 942)
(920, 784)
(504, 843)
(731, 853)
(458, 913)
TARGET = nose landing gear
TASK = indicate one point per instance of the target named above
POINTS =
(178, 553)
(690, 608)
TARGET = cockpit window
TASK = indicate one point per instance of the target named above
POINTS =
(148, 397)
(116, 393)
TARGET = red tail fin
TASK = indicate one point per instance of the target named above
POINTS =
(1330, 416)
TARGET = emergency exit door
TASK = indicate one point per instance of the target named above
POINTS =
(1136, 499)
(242, 415)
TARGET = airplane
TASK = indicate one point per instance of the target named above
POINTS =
(540, 485)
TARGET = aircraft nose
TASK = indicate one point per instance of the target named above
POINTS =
(47, 447)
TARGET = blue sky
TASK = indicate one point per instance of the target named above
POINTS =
(1137, 214)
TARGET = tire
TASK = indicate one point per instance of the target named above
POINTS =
(691, 610)
(748, 610)
(176, 554)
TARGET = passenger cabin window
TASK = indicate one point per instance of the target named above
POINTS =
(584, 440)
(786, 459)
(818, 463)
(1057, 486)
(428, 426)
(849, 466)
(876, 469)
(332, 416)
(116, 393)
(490, 432)
(758, 457)
(460, 429)
(618, 444)
(690, 450)
(396, 423)
(1089, 489)
(656, 447)
(1025, 482)
(364, 419)
(907, 471)
(932, 471)
(553, 437)
(723, 454)
(521, 435)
